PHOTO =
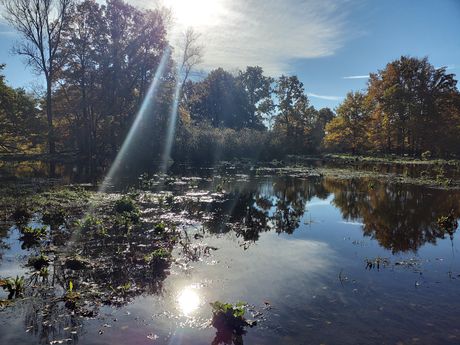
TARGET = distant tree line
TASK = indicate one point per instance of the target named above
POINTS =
(410, 107)
(100, 60)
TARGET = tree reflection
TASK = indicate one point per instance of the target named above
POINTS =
(400, 217)
(251, 208)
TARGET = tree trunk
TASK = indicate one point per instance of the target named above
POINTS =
(49, 117)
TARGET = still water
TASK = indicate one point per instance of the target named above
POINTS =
(318, 260)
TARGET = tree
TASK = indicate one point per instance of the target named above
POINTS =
(20, 123)
(407, 98)
(112, 54)
(323, 117)
(41, 23)
(84, 44)
(220, 100)
(258, 90)
(295, 118)
(192, 55)
(347, 131)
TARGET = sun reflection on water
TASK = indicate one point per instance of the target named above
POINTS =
(188, 300)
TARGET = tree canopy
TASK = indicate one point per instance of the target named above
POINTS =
(101, 60)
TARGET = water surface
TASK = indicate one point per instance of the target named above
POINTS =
(318, 260)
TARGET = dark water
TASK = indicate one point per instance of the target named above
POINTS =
(319, 260)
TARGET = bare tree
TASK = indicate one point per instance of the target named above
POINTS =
(40, 23)
(192, 54)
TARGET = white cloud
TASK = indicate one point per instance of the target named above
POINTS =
(268, 33)
(325, 97)
(357, 76)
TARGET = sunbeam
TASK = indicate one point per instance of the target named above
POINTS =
(171, 129)
(144, 111)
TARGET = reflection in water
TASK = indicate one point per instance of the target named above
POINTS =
(188, 300)
(400, 217)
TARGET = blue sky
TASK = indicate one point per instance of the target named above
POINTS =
(321, 41)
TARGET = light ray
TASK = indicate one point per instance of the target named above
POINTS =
(144, 111)
(171, 128)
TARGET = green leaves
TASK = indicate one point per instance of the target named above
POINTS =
(237, 310)
(15, 286)
(127, 208)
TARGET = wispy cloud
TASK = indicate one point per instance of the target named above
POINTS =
(270, 33)
(364, 76)
(325, 97)
(7, 33)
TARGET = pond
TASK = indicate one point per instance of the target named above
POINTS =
(316, 259)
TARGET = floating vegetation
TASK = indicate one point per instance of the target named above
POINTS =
(21, 215)
(158, 257)
(448, 224)
(14, 286)
(71, 297)
(38, 262)
(230, 322)
(31, 236)
(54, 217)
(377, 263)
(127, 208)
(77, 263)
(230, 316)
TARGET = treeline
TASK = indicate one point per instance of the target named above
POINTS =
(248, 115)
(410, 107)
(99, 62)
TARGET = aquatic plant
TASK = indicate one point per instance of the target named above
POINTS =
(160, 227)
(38, 262)
(426, 155)
(127, 208)
(377, 262)
(77, 263)
(15, 286)
(32, 235)
(54, 217)
(448, 223)
(90, 222)
(158, 256)
(21, 214)
(230, 316)
(71, 297)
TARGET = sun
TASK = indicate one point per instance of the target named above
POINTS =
(188, 300)
(196, 13)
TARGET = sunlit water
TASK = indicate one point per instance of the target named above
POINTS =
(297, 251)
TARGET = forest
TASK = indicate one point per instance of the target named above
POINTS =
(99, 61)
